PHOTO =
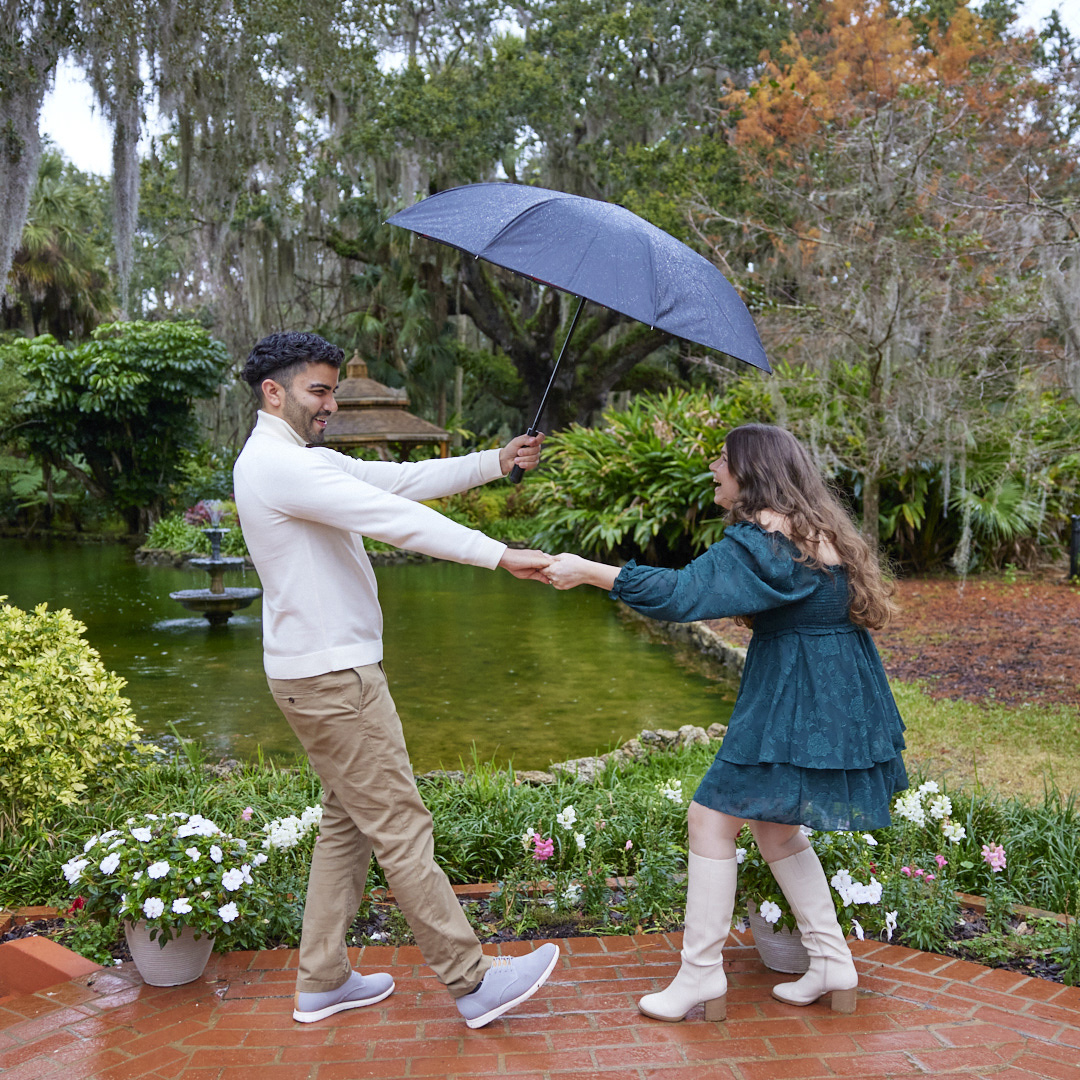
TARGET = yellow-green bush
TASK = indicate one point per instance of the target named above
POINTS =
(61, 713)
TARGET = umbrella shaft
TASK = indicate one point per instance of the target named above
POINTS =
(555, 369)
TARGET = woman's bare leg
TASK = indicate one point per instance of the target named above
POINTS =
(777, 841)
(712, 834)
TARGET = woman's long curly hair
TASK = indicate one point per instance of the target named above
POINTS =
(774, 472)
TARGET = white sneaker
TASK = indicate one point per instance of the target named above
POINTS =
(354, 993)
(509, 981)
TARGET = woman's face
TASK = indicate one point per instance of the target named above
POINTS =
(727, 487)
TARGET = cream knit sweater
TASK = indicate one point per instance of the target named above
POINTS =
(303, 511)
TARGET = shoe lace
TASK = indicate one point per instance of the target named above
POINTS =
(499, 963)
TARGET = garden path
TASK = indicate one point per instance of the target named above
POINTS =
(918, 1015)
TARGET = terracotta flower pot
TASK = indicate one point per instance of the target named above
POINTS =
(181, 960)
(780, 950)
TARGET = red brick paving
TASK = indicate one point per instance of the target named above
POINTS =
(917, 1016)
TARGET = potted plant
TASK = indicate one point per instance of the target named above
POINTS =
(852, 867)
(181, 886)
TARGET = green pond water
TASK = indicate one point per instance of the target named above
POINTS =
(474, 657)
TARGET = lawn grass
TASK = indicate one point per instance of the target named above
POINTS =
(1003, 750)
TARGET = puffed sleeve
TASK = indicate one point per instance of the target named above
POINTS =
(747, 571)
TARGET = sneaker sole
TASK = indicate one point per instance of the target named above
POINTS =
(341, 1006)
(492, 1014)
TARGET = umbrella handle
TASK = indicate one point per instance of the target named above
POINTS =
(517, 472)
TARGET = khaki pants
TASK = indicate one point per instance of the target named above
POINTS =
(349, 727)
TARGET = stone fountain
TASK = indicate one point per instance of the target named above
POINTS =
(217, 603)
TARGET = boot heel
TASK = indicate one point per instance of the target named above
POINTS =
(716, 1008)
(843, 1001)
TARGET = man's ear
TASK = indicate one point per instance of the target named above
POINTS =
(273, 393)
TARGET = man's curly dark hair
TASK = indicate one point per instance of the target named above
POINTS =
(280, 356)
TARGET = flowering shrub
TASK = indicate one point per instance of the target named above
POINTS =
(288, 832)
(173, 871)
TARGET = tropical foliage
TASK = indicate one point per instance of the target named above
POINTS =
(117, 411)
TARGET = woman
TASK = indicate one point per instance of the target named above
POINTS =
(815, 738)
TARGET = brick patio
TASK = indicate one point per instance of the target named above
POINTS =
(918, 1015)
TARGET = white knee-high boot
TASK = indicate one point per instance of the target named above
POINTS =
(832, 970)
(710, 903)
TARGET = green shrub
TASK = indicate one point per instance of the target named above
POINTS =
(173, 533)
(639, 484)
(62, 717)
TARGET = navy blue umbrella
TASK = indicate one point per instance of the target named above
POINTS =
(598, 251)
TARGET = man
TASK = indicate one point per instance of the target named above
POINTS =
(304, 510)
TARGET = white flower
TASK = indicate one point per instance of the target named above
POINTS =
(910, 806)
(215, 853)
(197, 825)
(858, 930)
(526, 837)
(193, 853)
(869, 839)
(116, 844)
(153, 907)
(246, 871)
(567, 817)
(572, 893)
(941, 807)
(109, 863)
(197, 880)
(142, 835)
(259, 859)
(930, 787)
(671, 789)
(157, 870)
(152, 817)
(769, 911)
(89, 844)
(954, 832)
(181, 905)
(740, 855)
(579, 839)
(890, 924)
(228, 912)
(73, 869)
(232, 880)
(136, 875)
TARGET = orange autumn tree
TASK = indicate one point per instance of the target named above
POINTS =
(890, 164)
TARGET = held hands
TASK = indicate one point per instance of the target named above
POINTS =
(526, 564)
(524, 451)
(563, 571)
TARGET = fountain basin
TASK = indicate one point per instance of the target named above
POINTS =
(222, 562)
(216, 607)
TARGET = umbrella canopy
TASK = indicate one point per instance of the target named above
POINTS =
(595, 250)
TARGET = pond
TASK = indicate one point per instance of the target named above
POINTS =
(474, 657)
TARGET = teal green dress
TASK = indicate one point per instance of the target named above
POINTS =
(815, 737)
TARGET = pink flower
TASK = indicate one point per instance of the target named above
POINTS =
(919, 873)
(941, 861)
(629, 844)
(929, 877)
(542, 849)
(906, 871)
(994, 856)
(246, 813)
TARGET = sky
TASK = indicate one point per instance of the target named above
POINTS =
(85, 137)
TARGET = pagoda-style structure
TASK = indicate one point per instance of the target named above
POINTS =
(371, 414)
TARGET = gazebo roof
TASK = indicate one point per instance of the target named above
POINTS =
(369, 412)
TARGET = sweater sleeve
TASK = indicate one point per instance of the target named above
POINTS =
(315, 487)
(432, 479)
(744, 573)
